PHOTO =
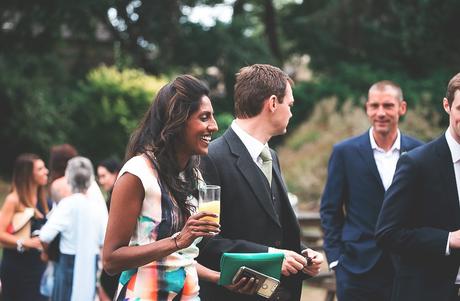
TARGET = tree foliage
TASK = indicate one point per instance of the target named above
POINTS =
(413, 37)
(354, 43)
(108, 105)
(50, 91)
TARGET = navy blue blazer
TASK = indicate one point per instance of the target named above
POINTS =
(351, 202)
(420, 209)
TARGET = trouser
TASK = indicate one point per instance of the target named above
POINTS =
(456, 293)
(374, 285)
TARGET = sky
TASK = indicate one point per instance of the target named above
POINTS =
(208, 15)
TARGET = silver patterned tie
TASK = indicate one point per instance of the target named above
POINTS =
(266, 165)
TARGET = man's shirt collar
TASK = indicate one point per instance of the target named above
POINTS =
(253, 145)
(396, 145)
(454, 146)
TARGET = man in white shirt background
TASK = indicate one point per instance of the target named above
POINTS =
(360, 171)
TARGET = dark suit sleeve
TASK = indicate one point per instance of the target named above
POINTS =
(395, 228)
(212, 249)
(332, 215)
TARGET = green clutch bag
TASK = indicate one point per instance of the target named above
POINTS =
(265, 263)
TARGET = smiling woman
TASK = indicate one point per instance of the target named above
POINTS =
(153, 229)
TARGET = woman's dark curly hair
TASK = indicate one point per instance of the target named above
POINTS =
(161, 132)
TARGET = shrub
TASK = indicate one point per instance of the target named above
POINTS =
(108, 105)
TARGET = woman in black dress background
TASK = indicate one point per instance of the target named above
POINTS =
(21, 267)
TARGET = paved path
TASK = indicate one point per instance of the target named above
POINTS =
(313, 294)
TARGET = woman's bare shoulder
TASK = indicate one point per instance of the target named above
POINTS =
(11, 200)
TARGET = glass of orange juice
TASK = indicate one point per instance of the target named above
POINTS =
(209, 201)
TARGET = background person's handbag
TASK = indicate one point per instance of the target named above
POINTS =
(21, 223)
(47, 281)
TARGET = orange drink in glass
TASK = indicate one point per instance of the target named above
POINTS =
(209, 201)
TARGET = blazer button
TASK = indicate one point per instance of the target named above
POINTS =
(277, 243)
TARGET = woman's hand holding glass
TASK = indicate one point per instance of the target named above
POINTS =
(196, 227)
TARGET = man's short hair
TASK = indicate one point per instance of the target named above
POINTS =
(384, 84)
(452, 87)
(254, 84)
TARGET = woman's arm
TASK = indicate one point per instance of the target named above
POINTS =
(125, 208)
(207, 274)
(6, 216)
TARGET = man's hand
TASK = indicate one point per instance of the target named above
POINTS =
(292, 263)
(314, 261)
(454, 240)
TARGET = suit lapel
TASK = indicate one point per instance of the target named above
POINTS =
(446, 172)
(276, 168)
(405, 147)
(367, 154)
(249, 172)
(285, 196)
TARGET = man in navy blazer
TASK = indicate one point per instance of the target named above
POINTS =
(360, 170)
(420, 217)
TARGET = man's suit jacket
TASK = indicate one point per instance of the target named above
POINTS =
(354, 184)
(420, 209)
(248, 219)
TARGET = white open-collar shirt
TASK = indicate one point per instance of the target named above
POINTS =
(386, 160)
(253, 145)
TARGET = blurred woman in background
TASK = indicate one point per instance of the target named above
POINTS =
(77, 219)
(107, 172)
(59, 184)
(59, 155)
(21, 267)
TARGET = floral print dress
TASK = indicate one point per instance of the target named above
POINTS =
(173, 277)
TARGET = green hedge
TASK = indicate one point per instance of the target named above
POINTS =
(108, 105)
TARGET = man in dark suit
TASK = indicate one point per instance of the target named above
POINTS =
(256, 215)
(420, 217)
(360, 170)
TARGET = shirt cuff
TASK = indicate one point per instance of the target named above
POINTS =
(274, 250)
(47, 236)
(447, 247)
(333, 264)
